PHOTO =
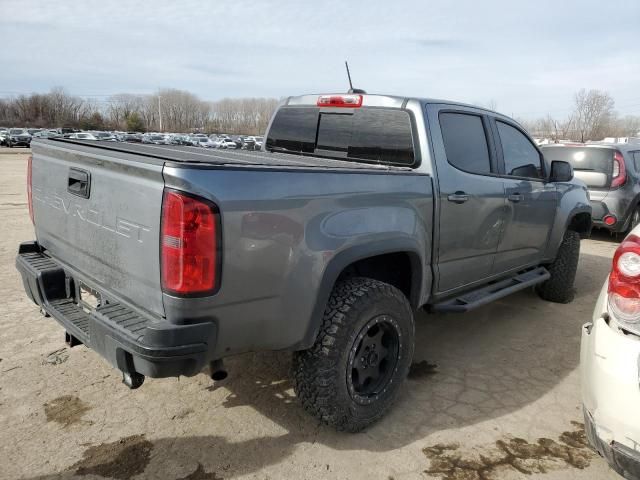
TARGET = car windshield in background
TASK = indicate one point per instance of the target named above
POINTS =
(592, 165)
(17, 131)
(373, 135)
(157, 137)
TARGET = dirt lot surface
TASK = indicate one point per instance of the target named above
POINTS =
(492, 395)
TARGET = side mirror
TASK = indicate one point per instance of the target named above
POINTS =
(560, 171)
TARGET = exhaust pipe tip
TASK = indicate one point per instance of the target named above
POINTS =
(132, 380)
(219, 375)
(218, 370)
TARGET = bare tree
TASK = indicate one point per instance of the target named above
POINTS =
(593, 112)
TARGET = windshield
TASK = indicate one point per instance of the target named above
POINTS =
(373, 135)
(592, 165)
(16, 131)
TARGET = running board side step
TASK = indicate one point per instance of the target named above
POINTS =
(494, 291)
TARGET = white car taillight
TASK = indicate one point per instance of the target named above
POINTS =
(624, 281)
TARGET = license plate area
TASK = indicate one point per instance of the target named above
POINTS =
(88, 298)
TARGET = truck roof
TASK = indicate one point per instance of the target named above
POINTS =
(379, 100)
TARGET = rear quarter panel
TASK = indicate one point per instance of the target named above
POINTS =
(286, 237)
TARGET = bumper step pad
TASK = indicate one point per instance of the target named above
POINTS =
(133, 342)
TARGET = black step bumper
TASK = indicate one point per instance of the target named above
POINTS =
(128, 339)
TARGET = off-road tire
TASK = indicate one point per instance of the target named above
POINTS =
(322, 374)
(559, 287)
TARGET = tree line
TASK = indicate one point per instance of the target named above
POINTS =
(592, 117)
(168, 110)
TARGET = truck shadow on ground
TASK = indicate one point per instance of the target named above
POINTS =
(467, 369)
(603, 235)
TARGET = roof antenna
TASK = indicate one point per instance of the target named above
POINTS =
(351, 89)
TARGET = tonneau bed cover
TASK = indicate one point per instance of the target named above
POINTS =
(187, 154)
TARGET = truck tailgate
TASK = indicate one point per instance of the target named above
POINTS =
(98, 213)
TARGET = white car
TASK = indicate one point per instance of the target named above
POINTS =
(83, 136)
(610, 363)
(227, 143)
(205, 142)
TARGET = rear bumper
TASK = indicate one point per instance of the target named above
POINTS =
(130, 340)
(610, 205)
(622, 459)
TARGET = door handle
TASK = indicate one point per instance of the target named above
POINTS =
(514, 197)
(458, 197)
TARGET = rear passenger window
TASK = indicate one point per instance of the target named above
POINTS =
(636, 160)
(465, 142)
(521, 158)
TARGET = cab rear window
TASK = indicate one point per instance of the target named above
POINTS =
(375, 135)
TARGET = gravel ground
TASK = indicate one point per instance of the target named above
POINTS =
(493, 394)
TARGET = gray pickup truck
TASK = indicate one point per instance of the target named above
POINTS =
(359, 210)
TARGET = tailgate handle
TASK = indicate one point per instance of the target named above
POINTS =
(79, 182)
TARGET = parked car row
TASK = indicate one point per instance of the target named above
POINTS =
(15, 137)
(200, 140)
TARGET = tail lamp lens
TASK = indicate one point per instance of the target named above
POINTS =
(29, 186)
(624, 281)
(189, 245)
(619, 176)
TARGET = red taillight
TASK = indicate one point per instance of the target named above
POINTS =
(349, 101)
(189, 243)
(624, 281)
(29, 188)
(619, 170)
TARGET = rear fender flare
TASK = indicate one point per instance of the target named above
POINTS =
(343, 259)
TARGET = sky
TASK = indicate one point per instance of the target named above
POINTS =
(526, 58)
